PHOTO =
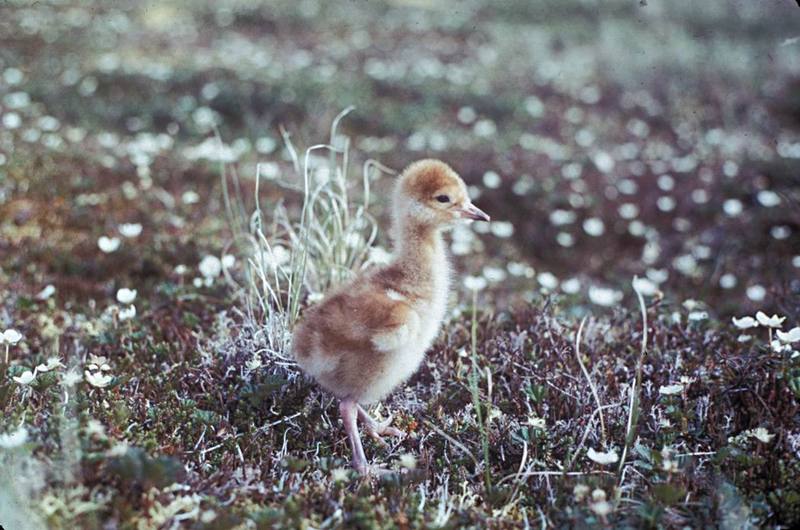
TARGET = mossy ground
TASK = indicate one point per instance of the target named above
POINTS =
(675, 129)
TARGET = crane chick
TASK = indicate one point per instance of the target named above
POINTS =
(370, 335)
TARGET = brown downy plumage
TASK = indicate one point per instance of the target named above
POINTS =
(370, 335)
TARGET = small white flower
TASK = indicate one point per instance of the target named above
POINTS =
(339, 474)
(604, 296)
(181, 269)
(756, 293)
(71, 378)
(127, 313)
(602, 458)
(228, 261)
(12, 336)
(599, 504)
(594, 226)
(98, 379)
(601, 508)
(130, 230)
(645, 287)
(768, 198)
(253, 363)
(502, 229)
(108, 244)
(571, 286)
(46, 293)
(762, 435)
(97, 359)
(696, 316)
(407, 461)
(537, 423)
(190, 197)
(745, 322)
(475, 283)
(210, 266)
(494, 274)
(744, 338)
(14, 439)
(779, 347)
(126, 296)
(793, 335)
(52, 362)
(275, 256)
(26, 378)
(670, 390)
(773, 322)
(691, 304)
(547, 280)
(580, 491)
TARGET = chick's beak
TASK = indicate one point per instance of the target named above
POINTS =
(470, 211)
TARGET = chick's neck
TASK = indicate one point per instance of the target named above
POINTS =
(418, 246)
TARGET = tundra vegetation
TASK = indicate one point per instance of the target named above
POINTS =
(179, 180)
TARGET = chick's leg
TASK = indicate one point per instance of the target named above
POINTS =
(349, 411)
(376, 429)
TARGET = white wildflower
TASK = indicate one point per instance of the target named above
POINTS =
(793, 335)
(604, 296)
(26, 378)
(696, 316)
(537, 423)
(761, 434)
(210, 266)
(571, 286)
(130, 230)
(11, 336)
(71, 378)
(98, 379)
(773, 322)
(46, 293)
(407, 461)
(745, 322)
(601, 458)
(502, 229)
(127, 313)
(547, 280)
(670, 390)
(52, 362)
(339, 474)
(14, 439)
(756, 293)
(645, 287)
(594, 226)
(691, 304)
(254, 363)
(126, 296)
(475, 283)
(108, 244)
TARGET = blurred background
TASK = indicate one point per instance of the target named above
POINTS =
(607, 139)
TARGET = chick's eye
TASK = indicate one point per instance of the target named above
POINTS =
(443, 198)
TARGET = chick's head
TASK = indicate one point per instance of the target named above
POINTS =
(429, 192)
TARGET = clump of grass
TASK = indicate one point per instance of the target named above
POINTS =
(290, 257)
(474, 377)
(634, 406)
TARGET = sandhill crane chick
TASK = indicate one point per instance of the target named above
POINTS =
(370, 335)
